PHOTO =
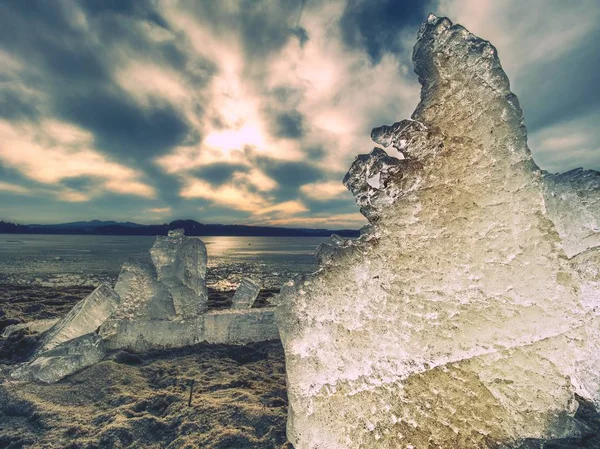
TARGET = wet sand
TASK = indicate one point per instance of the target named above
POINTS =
(141, 401)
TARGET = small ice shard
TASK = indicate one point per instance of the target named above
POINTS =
(87, 315)
(180, 263)
(246, 294)
(63, 360)
(142, 295)
(468, 314)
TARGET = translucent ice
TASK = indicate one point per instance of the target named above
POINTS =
(156, 304)
(180, 263)
(142, 295)
(457, 319)
(85, 317)
(573, 204)
(246, 294)
(64, 359)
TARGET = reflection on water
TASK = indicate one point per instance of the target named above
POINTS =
(79, 259)
(272, 259)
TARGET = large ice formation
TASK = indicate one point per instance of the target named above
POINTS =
(181, 266)
(466, 314)
(155, 304)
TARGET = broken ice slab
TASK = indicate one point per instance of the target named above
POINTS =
(246, 294)
(180, 263)
(63, 360)
(220, 326)
(87, 315)
(239, 326)
(145, 335)
(142, 295)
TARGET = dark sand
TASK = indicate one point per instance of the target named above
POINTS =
(23, 303)
(141, 401)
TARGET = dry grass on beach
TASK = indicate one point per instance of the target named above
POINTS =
(141, 401)
(239, 401)
(23, 303)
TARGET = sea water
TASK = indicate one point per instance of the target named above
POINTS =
(58, 260)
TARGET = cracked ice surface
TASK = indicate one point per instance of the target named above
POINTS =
(457, 319)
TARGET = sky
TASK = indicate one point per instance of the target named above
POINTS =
(252, 111)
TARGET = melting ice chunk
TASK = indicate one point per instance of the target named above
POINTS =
(85, 317)
(246, 294)
(180, 263)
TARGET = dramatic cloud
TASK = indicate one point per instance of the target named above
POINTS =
(549, 48)
(13, 188)
(324, 191)
(50, 152)
(250, 111)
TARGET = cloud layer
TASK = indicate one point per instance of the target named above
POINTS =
(551, 53)
(250, 111)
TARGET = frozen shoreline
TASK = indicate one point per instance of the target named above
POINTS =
(239, 395)
(26, 303)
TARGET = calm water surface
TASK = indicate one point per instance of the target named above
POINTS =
(79, 259)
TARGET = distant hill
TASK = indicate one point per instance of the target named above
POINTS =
(191, 227)
(88, 225)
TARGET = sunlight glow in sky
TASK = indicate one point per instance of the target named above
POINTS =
(252, 111)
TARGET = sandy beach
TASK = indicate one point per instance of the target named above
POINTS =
(141, 400)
